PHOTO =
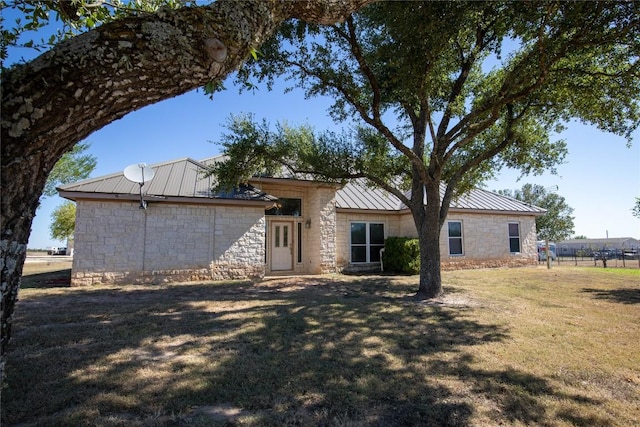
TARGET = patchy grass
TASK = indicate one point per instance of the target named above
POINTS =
(512, 347)
(46, 275)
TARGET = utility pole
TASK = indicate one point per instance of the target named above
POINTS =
(546, 240)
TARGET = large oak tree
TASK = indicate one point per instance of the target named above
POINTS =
(87, 81)
(446, 93)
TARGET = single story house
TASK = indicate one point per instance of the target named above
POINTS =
(273, 226)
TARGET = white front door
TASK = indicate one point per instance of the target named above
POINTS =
(281, 245)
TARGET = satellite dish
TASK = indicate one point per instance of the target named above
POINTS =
(139, 173)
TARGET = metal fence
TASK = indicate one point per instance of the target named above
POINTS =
(604, 258)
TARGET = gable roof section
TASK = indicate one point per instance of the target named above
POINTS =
(479, 199)
(183, 180)
(357, 195)
(176, 179)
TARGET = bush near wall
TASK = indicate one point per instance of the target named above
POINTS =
(401, 255)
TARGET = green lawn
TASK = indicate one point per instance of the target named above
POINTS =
(510, 347)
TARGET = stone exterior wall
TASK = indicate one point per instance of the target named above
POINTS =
(322, 234)
(116, 242)
(485, 238)
(318, 241)
(239, 245)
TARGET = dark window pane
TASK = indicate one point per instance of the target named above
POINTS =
(285, 236)
(514, 245)
(376, 234)
(286, 207)
(277, 237)
(299, 242)
(358, 233)
(513, 230)
(358, 254)
(374, 253)
(455, 229)
(455, 246)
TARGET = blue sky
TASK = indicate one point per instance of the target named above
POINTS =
(599, 180)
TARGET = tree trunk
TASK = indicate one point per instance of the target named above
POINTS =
(427, 220)
(58, 99)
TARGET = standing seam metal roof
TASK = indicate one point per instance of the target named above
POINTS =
(185, 178)
(176, 178)
(357, 195)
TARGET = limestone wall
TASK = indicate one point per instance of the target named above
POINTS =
(322, 234)
(485, 238)
(116, 242)
(318, 207)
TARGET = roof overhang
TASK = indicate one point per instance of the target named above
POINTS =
(370, 211)
(495, 212)
(407, 211)
(149, 198)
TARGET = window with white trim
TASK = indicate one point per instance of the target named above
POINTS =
(367, 238)
(454, 229)
(514, 237)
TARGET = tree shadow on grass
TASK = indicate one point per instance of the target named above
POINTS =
(308, 351)
(517, 395)
(52, 279)
(623, 295)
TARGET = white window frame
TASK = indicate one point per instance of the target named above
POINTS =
(367, 244)
(461, 237)
(519, 237)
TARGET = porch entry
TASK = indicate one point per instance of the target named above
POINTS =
(281, 245)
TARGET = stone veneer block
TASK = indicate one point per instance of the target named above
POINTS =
(116, 242)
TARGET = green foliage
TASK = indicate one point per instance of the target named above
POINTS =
(63, 221)
(479, 85)
(401, 255)
(472, 86)
(255, 149)
(258, 149)
(72, 166)
(636, 209)
(557, 223)
(251, 149)
(451, 92)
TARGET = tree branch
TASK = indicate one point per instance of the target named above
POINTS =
(466, 65)
(375, 119)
